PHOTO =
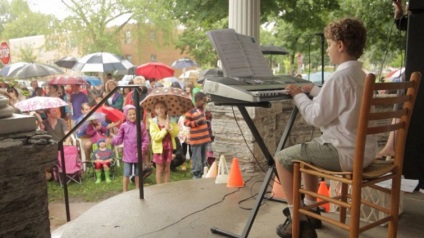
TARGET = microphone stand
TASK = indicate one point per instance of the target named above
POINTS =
(322, 58)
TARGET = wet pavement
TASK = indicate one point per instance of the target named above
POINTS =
(191, 208)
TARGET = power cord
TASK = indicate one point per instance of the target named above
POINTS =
(203, 209)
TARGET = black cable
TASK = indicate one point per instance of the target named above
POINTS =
(195, 212)
(245, 141)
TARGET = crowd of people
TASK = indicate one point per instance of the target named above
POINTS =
(166, 140)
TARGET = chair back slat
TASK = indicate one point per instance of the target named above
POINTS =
(391, 100)
(393, 86)
(388, 115)
(385, 128)
(372, 122)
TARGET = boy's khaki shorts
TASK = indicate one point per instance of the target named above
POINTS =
(324, 156)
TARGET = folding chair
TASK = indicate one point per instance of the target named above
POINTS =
(73, 165)
(370, 123)
(90, 164)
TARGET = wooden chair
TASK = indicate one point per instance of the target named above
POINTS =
(351, 198)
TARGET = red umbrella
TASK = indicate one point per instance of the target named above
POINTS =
(155, 70)
(112, 114)
(67, 80)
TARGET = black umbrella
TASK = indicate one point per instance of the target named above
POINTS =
(209, 72)
(183, 63)
(273, 50)
(67, 62)
(30, 70)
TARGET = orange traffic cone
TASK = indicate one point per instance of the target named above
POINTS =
(235, 179)
(323, 190)
(213, 170)
(277, 191)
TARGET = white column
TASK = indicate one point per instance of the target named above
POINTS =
(243, 16)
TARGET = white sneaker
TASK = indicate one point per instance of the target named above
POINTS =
(421, 190)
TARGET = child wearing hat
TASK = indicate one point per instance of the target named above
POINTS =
(127, 134)
(102, 158)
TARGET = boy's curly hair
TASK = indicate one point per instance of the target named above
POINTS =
(351, 32)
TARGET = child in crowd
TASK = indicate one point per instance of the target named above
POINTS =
(209, 152)
(199, 134)
(183, 135)
(127, 134)
(102, 158)
(163, 131)
(95, 130)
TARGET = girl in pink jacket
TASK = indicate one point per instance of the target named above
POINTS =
(127, 134)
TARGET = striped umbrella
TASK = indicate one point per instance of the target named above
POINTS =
(102, 62)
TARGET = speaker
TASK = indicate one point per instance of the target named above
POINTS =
(413, 167)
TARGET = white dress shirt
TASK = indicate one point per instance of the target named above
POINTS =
(335, 110)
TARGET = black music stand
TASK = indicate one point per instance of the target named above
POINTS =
(270, 160)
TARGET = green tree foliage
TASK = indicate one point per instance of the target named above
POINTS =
(19, 21)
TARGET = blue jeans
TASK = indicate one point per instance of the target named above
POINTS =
(198, 160)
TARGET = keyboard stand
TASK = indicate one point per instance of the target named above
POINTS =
(271, 168)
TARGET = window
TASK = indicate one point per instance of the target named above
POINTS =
(127, 37)
(129, 58)
(152, 35)
(153, 57)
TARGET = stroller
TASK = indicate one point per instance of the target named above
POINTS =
(73, 166)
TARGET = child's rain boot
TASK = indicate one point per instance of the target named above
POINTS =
(107, 176)
(98, 176)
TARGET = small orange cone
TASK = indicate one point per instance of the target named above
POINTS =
(323, 190)
(277, 191)
(213, 170)
(235, 179)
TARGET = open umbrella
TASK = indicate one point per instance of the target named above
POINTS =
(169, 80)
(209, 72)
(102, 62)
(66, 62)
(98, 115)
(190, 74)
(67, 80)
(11, 67)
(155, 70)
(273, 50)
(112, 114)
(30, 70)
(183, 63)
(40, 103)
(177, 101)
(93, 80)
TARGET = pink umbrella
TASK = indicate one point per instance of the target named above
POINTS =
(67, 80)
(40, 103)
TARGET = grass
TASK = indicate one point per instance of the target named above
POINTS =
(89, 191)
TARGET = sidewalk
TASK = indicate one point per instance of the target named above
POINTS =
(191, 208)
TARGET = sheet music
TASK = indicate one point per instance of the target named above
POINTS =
(254, 55)
(240, 54)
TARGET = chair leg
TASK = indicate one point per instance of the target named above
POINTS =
(394, 207)
(343, 193)
(355, 212)
(296, 201)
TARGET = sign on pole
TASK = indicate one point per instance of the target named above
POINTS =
(4, 53)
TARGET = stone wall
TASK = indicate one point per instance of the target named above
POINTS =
(234, 139)
(23, 186)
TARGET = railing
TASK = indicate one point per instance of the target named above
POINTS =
(139, 154)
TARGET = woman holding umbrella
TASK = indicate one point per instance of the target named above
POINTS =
(117, 100)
